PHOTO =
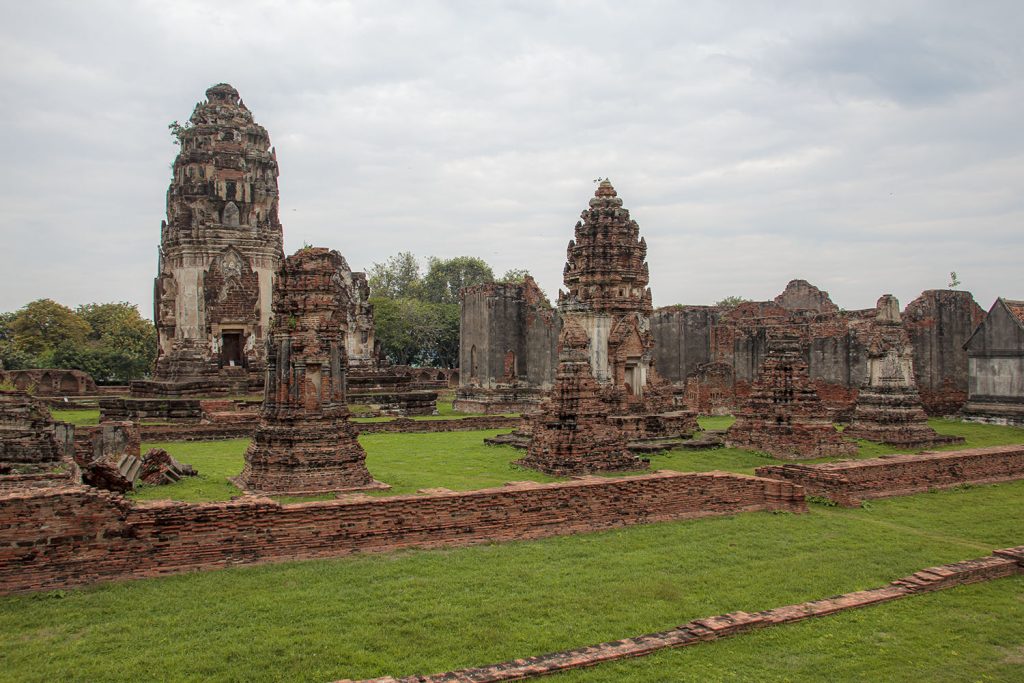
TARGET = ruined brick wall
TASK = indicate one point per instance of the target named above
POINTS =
(682, 339)
(996, 366)
(73, 536)
(508, 333)
(50, 381)
(850, 481)
(939, 323)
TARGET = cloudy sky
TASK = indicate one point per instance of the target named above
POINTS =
(866, 147)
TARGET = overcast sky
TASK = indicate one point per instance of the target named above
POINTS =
(867, 147)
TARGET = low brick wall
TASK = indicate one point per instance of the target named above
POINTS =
(850, 481)
(217, 431)
(1003, 563)
(200, 431)
(76, 535)
(464, 424)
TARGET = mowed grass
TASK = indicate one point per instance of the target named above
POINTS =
(77, 417)
(460, 461)
(427, 611)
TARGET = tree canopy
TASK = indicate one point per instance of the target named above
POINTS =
(112, 341)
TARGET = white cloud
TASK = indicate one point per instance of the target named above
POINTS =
(867, 147)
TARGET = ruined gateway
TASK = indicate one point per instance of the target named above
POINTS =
(220, 247)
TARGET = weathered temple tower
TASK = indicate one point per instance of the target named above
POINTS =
(219, 250)
(607, 311)
(606, 276)
(305, 443)
(784, 415)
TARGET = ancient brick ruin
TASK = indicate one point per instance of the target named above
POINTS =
(64, 536)
(995, 355)
(783, 415)
(607, 392)
(50, 381)
(305, 443)
(219, 249)
(32, 453)
(507, 347)
(888, 407)
(848, 482)
(571, 433)
(711, 354)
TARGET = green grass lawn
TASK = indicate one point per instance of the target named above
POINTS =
(426, 611)
(77, 417)
(460, 461)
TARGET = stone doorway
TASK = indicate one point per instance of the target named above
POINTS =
(231, 348)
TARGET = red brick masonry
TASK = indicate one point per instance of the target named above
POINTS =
(76, 535)
(1004, 563)
(850, 481)
(244, 430)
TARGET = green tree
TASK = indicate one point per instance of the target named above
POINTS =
(446, 277)
(397, 278)
(731, 301)
(43, 325)
(515, 275)
(407, 329)
(11, 356)
(954, 281)
(122, 342)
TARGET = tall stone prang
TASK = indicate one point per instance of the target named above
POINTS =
(606, 277)
(305, 443)
(606, 311)
(572, 434)
(888, 408)
(784, 415)
(220, 247)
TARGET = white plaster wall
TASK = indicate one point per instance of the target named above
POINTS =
(996, 376)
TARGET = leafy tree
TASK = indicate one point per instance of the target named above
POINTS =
(446, 277)
(11, 356)
(407, 329)
(43, 325)
(732, 301)
(515, 275)
(397, 278)
(122, 342)
(954, 281)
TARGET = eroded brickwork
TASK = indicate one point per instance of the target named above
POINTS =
(572, 434)
(305, 443)
(73, 536)
(50, 382)
(784, 415)
(30, 451)
(850, 481)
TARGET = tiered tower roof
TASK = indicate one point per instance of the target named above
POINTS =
(606, 267)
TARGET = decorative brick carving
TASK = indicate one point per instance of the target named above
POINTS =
(305, 443)
(783, 415)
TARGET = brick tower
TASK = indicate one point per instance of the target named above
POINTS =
(305, 443)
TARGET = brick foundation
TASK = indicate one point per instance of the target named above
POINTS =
(850, 481)
(1003, 563)
(75, 535)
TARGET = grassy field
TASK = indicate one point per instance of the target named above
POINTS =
(426, 611)
(460, 461)
(77, 417)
